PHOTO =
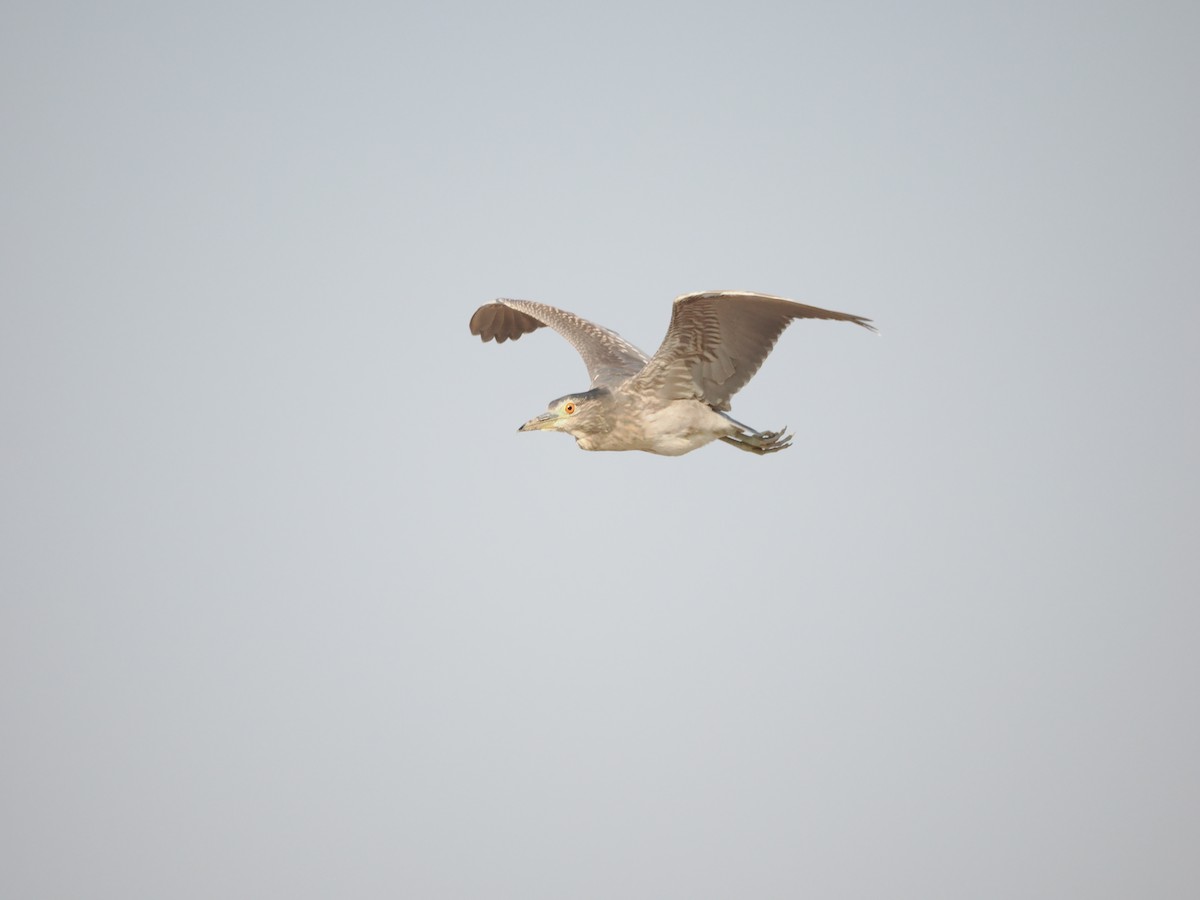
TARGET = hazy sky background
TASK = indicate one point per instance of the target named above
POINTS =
(289, 609)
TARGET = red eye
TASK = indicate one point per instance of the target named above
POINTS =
(569, 409)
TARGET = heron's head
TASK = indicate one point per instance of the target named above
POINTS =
(576, 414)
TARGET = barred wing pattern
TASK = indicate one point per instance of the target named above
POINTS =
(610, 359)
(716, 342)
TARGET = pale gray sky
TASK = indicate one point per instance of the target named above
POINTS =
(289, 609)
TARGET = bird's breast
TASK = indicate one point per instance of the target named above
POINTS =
(680, 426)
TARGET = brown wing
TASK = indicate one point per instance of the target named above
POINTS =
(610, 359)
(718, 340)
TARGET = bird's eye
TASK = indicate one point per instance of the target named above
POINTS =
(569, 409)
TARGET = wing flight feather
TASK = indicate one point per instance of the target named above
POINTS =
(717, 340)
(610, 359)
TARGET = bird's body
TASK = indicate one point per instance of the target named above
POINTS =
(680, 426)
(675, 401)
(669, 429)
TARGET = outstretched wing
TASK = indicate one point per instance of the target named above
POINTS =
(610, 359)
(718, 340)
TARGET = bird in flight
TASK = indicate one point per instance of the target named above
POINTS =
(676, 400)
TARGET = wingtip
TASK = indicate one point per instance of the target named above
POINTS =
(475, 324)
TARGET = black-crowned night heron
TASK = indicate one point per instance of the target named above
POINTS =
(678, 399)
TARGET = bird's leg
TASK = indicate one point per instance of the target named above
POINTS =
(760, 442)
